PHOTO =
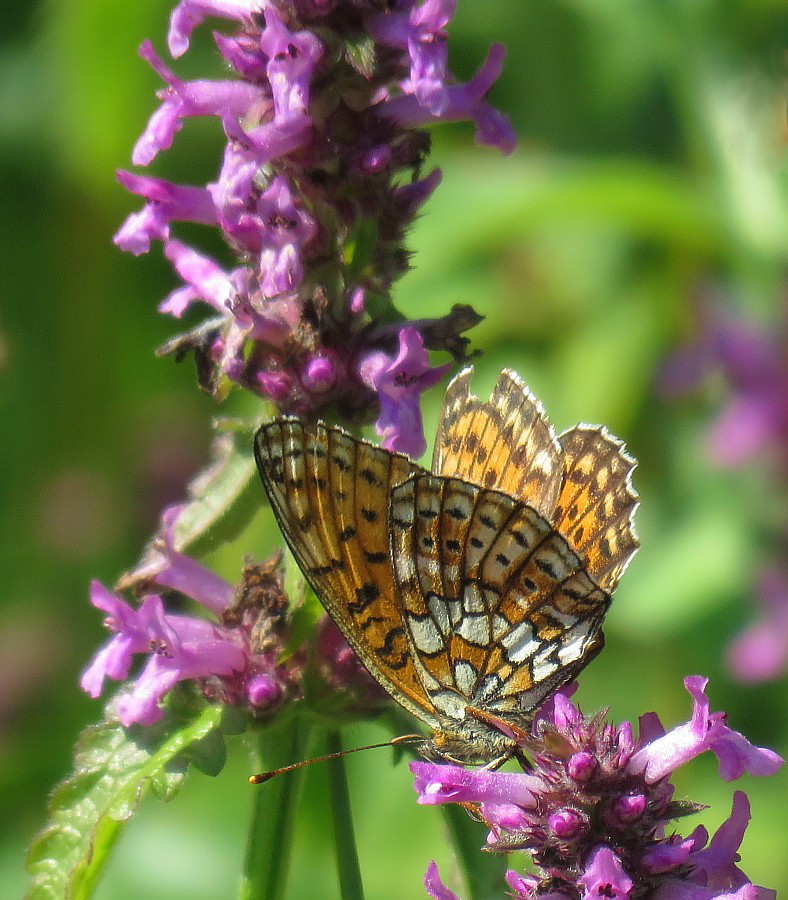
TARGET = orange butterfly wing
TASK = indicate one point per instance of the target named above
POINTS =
(330, 493)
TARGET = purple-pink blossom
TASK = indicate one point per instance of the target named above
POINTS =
(596, 808)
(314, 194)
(399, 383)
(704, 731)
(218, 654)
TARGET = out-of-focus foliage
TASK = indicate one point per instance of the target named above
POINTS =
(650, 168)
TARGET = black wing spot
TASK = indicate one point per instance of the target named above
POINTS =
(520, 538)
(579, 532)
(502, 559)
(402, 524)
(528, 584)
(376, 557)
(305, 522)
(546, 567)
(337, 563)
(296, 484)
(453, 546)
(319, 571)
(340, 462)
(455, 512)
(428, 513)
(320, 482)
(486, 521)
(347, 533)
(369, 514)
(475, 542)
(366, 594)
(369, 476)
(428, 542)
(295, 453)
(604, 546)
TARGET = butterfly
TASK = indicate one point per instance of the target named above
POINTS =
(473, 591)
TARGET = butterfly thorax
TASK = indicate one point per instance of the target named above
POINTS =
(468, 742)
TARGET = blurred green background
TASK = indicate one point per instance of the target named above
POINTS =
(650, 168)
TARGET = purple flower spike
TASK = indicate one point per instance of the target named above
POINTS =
(608, 833)
(399, 383)
(435, 887)
(705, 731)
(604, 875)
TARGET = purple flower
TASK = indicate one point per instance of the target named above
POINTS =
(222, 656)
(463, 101)
(229, 100)
(167, 202)
(188, 14)
(286, 228)
(181, 647)
(399, 383)
(595, 809)
(604, 876)
(760, 652)
(435, 887)
(755, 364)
(704, 731)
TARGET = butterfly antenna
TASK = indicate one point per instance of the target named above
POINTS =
(394, 742)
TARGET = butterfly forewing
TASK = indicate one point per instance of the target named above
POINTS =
(597, 502)
(500, 622)
(505, 443)
(330, 493)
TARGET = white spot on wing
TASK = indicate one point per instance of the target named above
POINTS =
(425, 635)
(475, 630)
(520, 643)
(465, 676)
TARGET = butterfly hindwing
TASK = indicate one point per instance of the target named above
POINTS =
(597, 503)
(505, 619)
(330, 494)
(505, 443)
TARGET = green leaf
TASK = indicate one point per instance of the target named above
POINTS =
(113, 769)
(223, 499)
(360, 53)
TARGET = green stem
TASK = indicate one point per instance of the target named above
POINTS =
(344, 836)
(274, 807)
(484, 872)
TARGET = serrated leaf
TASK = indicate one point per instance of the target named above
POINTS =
(113, 769)
(360, 53)
(223, 499)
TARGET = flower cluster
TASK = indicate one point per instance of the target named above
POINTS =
(594, 811)
(752, 427)
(234, 658)
(321, 178)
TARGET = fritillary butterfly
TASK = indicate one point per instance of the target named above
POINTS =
(473, 591)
